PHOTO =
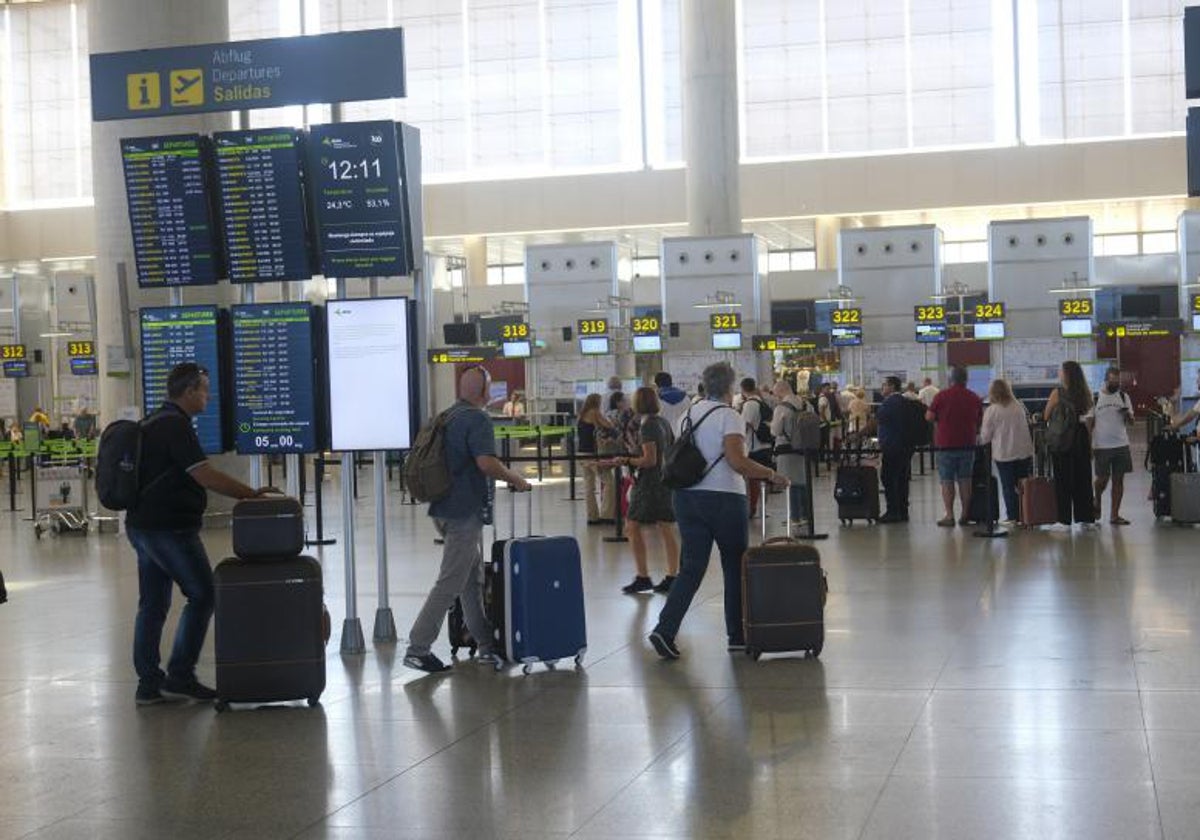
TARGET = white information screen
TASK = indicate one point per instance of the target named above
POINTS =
(989, 332)
(1076, 327)
(647, 344)
(370, 395)
(727, 341)
(597, 346)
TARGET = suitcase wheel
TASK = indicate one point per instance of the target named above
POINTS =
(753, 653)
(528, 669)
(551, 664)
(499, 666)
(579, 662)
(221, 706)
(814, 652)
(313, 702)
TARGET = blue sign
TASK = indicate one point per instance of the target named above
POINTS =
(356, 194)
(84, 366)
(262, 204)
(170, 210)
(274, 378)
(237, 76)
(172, 335)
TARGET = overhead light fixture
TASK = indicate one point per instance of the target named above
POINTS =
(840, 294)
(1074, 286)
(80, 258)
(718, 300)
(55, 335)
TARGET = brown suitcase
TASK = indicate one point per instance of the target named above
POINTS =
(783, 596)
(1039, 506)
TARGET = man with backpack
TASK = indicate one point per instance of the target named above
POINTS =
(163, 525)
(469, 446)
(756, 415)
(797, 431)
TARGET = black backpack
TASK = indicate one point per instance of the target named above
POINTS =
(119, 463)
(684, 465)
(762, 432)
(916, 427)
(1062, 425)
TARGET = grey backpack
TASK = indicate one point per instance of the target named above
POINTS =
(427, 474)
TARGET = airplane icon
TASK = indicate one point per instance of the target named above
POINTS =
(186, 87)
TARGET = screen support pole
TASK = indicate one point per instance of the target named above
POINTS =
(256, 461)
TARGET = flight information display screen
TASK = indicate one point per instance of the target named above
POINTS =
(274, 378)
(172, 335)
(355, 172)
(170, 210)
(260, 182)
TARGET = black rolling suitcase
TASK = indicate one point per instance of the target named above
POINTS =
(856, 490)
(783, 596)
(270, 526)
(1166, 455)
(981, 477)
(270, 631)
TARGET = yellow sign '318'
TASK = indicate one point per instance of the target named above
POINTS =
(516, 330)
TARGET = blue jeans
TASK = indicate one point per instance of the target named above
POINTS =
(166, 558)
(705, 517)
(1011, 473)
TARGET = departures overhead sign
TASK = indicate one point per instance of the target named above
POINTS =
(267, 73)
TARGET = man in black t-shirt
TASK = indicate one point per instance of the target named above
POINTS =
(164, 529)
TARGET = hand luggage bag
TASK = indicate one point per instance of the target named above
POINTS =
(1185, 493)
(856, 490)
(537, 584)
(270, 631)
(783, 596)
(1039, 505)
(268, 527)
(456, 623)
(1160, 490)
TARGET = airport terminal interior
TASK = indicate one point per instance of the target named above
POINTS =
(939, 246)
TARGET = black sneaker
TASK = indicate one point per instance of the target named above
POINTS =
(664, 585)
(640, 584)
(147, 696)
(428, 663)
(663, 646)
(191, 689)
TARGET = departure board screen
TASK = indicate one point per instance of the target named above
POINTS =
(274, 378)
(170, 210)
(172, 335)
(355, 175)
(260, 183)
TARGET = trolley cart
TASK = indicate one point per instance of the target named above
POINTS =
(60, 497)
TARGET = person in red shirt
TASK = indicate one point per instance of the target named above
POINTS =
(958, 413)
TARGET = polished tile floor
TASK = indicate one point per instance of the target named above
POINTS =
(1047, 685)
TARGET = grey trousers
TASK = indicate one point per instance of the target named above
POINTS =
(461, 575)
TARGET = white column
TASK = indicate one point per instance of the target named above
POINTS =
(475, 254)
(710, 116)
(114, 26)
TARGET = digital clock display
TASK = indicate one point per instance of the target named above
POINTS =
(172, 335)
(648, 325)
(274, 378)
(930, 314)
(725, 322)
(592, 326)
(1075, 308)
(846, 316)
(262, 204)
(356, 191)
(170, 210)
(989, 312)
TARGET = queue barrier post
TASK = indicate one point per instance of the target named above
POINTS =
(811, 456)
(618, 518)
(385, 622)
(318, 481)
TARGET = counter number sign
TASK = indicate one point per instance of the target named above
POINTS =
(649, 325)
(931, 314)
(80, 349)
(725, 322)
(592, 326)
(1075, 308)
(843, 317)
(515, 331)
(990, 311)
(12, 352)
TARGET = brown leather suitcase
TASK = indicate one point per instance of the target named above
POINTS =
(1039, 505)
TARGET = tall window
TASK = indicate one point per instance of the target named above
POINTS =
(45, 115)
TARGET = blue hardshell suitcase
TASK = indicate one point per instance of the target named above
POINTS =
(542, 592)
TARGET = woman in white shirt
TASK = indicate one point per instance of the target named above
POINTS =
(1006, 428)
(713, 510)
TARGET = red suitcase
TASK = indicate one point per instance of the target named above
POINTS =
(1039, 506)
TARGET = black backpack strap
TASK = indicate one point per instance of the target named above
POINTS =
(690, 432)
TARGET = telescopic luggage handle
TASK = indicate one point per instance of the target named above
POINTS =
(512, 512)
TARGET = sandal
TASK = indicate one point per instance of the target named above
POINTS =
(948, 522)
(1118, 520)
